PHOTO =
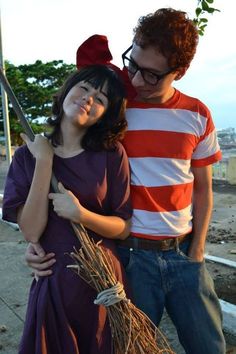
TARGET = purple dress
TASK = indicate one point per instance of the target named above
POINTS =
(61, 317)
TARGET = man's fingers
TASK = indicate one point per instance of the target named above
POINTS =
(43, 273)
(42, 269)
(34, 249)
(41, 266)
(38, 249)
(34, 258)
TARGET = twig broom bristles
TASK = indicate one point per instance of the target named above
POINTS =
(132, 331)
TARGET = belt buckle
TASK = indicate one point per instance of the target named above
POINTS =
(168, 244)
(165, 244)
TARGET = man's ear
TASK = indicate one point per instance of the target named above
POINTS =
(180, 73)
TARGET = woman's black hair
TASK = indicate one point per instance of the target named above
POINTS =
(111, 128)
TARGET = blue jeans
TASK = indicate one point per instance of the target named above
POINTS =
(171, 280)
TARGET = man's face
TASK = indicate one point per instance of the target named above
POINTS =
(154, 62)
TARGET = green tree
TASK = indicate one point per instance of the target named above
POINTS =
(204, 7)
(34, 86)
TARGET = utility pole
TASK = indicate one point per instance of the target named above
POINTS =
(6, 122)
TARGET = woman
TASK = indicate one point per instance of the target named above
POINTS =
(92, 169)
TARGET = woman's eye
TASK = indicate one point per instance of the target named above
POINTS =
(99, 100)
(84, 88)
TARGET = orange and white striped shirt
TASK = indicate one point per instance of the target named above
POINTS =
(163, 141)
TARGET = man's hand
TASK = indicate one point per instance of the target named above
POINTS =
(196, 253)
(39, 261)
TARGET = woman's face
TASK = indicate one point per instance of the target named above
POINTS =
(84, 105)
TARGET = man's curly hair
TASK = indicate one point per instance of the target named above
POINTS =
(173, 34)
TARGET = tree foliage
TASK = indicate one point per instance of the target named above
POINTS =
(204, 7)
(34, 86)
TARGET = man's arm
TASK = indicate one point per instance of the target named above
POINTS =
(39, 261)
(202, 209)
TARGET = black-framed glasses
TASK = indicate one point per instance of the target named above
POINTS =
(148, 76)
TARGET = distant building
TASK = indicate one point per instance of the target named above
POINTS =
(227, 138)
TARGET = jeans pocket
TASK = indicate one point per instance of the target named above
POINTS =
(125, 256)
(183, 253)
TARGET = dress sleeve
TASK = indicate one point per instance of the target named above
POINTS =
(119, 183)
(17, 184)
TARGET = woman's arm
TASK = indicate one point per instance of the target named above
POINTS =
(108, 226)
(33, 215)
(66, 205)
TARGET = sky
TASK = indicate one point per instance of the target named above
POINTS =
(53, 29)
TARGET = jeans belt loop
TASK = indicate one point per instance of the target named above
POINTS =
(135, 242)
(177, 244)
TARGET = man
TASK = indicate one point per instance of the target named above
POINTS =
(171, 143)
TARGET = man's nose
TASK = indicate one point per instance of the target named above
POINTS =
(137, 79)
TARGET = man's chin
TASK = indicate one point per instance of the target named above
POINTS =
(144, 95)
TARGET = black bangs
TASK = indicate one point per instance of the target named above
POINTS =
(113, 124)
(100, 75)
(97, 79)
(97, 76)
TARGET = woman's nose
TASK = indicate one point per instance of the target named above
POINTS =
(88, 98)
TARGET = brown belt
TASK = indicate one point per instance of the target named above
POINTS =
(155, 245)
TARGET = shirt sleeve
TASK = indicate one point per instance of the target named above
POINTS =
(17, 184)
(207, 150)
(119, 183)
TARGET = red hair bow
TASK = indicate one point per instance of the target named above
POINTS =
(95, 50)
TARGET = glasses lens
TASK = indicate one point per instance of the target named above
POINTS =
(150, 78)
(130, 66)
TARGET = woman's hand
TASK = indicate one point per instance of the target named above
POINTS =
(66, 205)
(40, 148)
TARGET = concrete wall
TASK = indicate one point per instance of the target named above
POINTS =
(225, 170)
(232, 170)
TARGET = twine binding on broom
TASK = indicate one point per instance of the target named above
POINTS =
(111, 296)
